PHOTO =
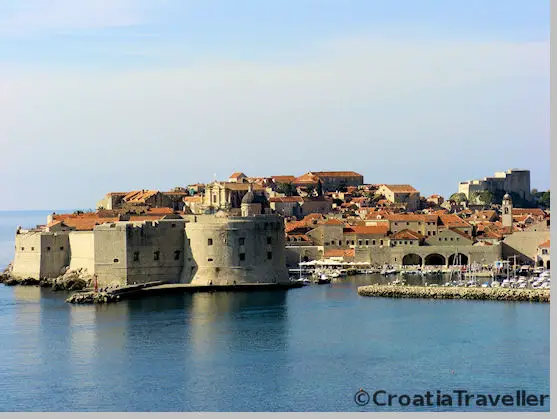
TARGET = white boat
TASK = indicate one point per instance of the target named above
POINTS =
(495, 284)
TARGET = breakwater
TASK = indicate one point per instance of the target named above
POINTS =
(462, 293)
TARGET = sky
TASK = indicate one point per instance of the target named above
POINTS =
(102, 96)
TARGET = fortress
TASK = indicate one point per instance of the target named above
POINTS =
(216, 249)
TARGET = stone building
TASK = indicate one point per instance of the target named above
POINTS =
(227, 195)
(512, 181)
(199, 249)
(401, 194)
(543, 256)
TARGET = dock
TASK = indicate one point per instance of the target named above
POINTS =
(463, 293)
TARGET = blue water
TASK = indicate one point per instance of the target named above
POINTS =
(307, 349)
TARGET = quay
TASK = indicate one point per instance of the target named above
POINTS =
(463, 293)
(158, 288)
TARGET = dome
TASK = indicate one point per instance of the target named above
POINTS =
(506, 197)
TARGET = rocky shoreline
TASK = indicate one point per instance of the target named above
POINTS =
(67, 281)
(462, 293)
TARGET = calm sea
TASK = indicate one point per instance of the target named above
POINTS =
(308, 349)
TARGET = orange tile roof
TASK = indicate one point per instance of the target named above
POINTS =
(236, 175)
(536, 212)
(367, 230)
(163, 211)
(453, 220)
(407, 234)
(117, 193)
(331, 253)
(283, 179)
(337, 174)
(307, 178)
(545, 244)
(401, 188)
(139, 196)
(412, 217)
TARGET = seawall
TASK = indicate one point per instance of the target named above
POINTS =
(462, 293)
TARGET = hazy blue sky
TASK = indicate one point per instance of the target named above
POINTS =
(114, 95)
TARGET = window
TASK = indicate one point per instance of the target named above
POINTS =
(544, 252)
(115, 260)
(269, 255)
(242, 241)
(135, 256)
(269, 240)
(48, 249)
(367, 242)
(242, 256)
(381, 242)
(373, 242)
(405, 242)
(352, 241)
(451, 239)
(32, 248)
(156, 255)
(359, 242)
(396, 224)
(189, 242)
(209, 242)
(173, 225)
(407, 223)
(61, 247)
(440, 239)
(347, 243)
(177, 255)
(23, 248)
(210, 260)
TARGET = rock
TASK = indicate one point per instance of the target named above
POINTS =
(92, 298)
(11, 282)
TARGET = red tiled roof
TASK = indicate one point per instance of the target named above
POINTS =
(453, 220)
(283, 179)
(545, 244)
(401, 188)
(367, 230)
(163, 211)
(337, 174)
(412, 217)
(308, 178)
(236, 175)
(331, 253)
(139, 196)
(536, 212)
(197, 198)
(407, 235)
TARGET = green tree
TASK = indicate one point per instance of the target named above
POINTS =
(486, 197)
(458, 197)
(544, 199)
(287, 188)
